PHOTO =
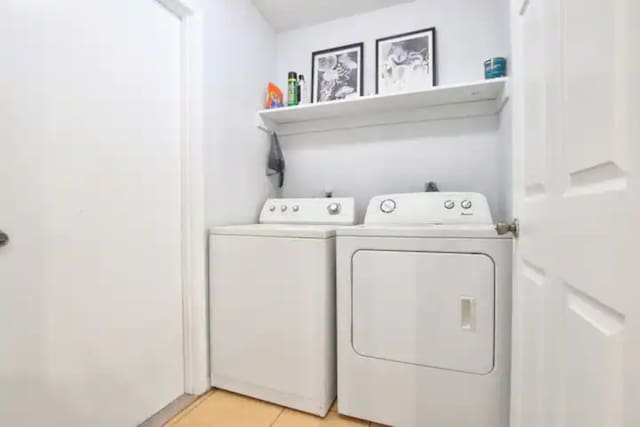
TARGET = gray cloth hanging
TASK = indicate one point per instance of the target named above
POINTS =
(275, 164)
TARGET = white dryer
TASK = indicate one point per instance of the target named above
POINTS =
(272, 303)
(424, 309)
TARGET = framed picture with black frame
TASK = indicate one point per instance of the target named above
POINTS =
(406, 62)
(337, 73)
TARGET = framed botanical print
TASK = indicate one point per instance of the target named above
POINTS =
(337, 73)
(406, 62)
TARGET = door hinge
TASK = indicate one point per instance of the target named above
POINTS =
(513, 228)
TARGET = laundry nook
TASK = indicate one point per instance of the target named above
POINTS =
(290, 213)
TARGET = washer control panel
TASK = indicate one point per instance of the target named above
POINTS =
(339, 211)
(429, 208)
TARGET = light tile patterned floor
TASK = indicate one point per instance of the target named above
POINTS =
(220, 408)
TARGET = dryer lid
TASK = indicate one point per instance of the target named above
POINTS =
(459, 231)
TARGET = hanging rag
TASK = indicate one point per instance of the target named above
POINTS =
(275, 164)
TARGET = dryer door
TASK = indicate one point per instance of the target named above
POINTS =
(424, 308)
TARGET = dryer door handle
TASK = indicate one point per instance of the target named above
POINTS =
(468, 313)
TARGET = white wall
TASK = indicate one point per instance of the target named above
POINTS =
(459, 155)
(238, 63)
(468, 32)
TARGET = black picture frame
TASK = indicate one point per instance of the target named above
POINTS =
(432, 30)
(354, 46)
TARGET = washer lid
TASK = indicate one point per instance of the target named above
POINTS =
(277, 230)
(426, 230)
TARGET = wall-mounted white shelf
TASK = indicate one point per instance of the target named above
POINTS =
(481, 98)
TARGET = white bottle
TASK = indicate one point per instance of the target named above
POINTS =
(303, 95)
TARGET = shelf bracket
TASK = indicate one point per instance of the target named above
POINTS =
(264, 129)
(266, 126)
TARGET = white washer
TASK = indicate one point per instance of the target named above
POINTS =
(272, 302)
(424, 309)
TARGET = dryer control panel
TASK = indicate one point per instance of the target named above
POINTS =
(429, 208)
(338, 211)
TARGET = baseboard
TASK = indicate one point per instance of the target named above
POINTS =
(164, 415)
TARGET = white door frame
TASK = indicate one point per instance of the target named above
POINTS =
(194, 273)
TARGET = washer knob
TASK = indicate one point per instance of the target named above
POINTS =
(272, 208)
(296, 208)
(466, 204)
(449, 204)
(333, 208)
(283, 208)
(387, 206)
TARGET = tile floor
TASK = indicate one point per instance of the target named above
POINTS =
(220, 408)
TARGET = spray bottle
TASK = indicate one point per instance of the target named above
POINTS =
(292, 89)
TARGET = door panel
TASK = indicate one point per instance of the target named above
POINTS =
(594, 327)
(594, 62)
(576, 327)
(90, 186)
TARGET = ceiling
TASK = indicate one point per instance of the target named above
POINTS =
(286, 15)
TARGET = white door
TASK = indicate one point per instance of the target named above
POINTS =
(576, 325)
(90, 284)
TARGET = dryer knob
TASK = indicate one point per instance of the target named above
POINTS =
(449, 204)
(466, 204)
(387, 206)
(283, 208)
(272, 208)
